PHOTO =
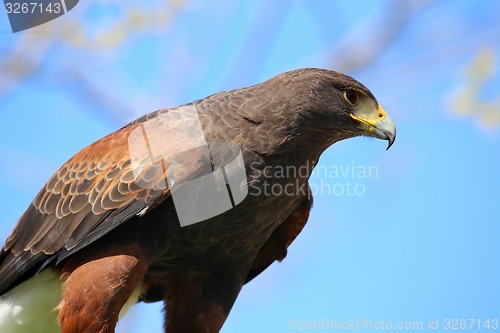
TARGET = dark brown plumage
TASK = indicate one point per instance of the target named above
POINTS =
(106, 222)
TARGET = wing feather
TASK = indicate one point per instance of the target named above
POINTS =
(102, 186)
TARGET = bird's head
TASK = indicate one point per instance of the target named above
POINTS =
(369, 116)
(339, 102)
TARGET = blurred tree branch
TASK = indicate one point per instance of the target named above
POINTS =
(24, 60)
(467, 99)
(367, 41)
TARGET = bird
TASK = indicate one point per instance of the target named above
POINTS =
(175, 206)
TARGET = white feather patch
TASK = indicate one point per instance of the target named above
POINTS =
(30, 307)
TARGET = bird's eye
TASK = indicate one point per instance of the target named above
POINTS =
(351, 96)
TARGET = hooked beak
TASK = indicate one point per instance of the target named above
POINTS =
(378, 125)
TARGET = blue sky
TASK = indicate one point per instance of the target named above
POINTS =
(422, 242)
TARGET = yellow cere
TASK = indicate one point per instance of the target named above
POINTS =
(368, 115)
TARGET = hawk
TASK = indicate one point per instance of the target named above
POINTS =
(183, 205)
